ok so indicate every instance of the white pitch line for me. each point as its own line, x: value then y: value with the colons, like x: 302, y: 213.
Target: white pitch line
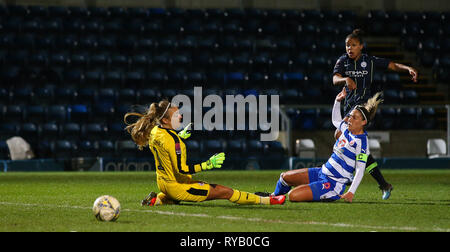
x: 237, y: 218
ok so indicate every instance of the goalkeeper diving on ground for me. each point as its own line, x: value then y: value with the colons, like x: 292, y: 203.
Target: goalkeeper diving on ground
x: 155, y: 129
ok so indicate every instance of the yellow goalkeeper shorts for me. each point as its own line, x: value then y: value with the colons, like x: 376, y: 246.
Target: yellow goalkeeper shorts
x: 192, y: 191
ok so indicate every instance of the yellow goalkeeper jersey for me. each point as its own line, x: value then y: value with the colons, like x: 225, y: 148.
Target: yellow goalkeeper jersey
x: 170, y: 156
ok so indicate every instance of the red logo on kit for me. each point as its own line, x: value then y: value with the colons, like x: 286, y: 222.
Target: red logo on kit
x: 326, y: 186
x: 342, y: 143
x: 178, y: 149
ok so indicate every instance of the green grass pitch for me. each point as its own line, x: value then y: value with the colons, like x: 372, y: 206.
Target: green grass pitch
x: 62, y: 202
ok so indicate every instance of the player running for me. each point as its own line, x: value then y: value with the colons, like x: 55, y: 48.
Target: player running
x: 155, y: 129
x: 355, y: 70
x: 350, y: 154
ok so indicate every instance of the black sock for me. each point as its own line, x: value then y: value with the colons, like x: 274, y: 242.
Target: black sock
x: 373, y: 169
x: 376, y: 174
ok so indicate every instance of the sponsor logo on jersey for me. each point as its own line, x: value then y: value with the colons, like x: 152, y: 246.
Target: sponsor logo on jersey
x: 356, y: 73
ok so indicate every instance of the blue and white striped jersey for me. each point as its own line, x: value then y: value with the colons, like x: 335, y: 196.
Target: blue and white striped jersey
x: 342, y: 163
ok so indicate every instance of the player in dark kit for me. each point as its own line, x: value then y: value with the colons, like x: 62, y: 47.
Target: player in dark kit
x: 355, y: 70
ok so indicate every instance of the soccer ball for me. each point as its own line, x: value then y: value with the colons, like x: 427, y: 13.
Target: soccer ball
x: 106, y: 208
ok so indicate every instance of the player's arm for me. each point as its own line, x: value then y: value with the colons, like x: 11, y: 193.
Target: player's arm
x: 336, y: 116
x: 397, y: 67
x: 361, y: 160
x: 178, y: 159
x: 347, y: 81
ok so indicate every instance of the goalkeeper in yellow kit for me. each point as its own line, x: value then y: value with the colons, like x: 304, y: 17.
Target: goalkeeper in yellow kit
x: 155, y: 129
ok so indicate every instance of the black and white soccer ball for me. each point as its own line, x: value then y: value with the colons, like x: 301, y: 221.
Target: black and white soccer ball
x: 106, y: 208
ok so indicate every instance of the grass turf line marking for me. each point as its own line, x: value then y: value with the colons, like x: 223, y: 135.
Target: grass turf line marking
x: 236, y: 218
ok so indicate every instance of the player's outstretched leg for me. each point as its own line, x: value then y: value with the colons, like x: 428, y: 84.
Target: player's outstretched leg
x: 243, y: 198
x: 374, y: 170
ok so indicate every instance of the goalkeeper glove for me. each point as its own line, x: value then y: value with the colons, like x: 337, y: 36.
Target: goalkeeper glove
x: 215, y: 161
x: 186, y: 132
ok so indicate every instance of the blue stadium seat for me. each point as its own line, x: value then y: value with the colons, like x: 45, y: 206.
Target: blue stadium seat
x: 102, y: 112
x: 79, y: 113
x: 157, y: 78
x: 30, y: 132
x: 410, y: 97
x: 235, y: 79
x: 94, y: 131
x: 49, y: 131
x: 210, y: 147
x: 19, y: 57
x: 290, y: 96
x: 116, y: 130
x: 43, y: 96
x: 216, y: 78
x: 22, y: 95
x: 427, y: 119
x: 37, y: 11
x: 86, y: 96
x: 59, y: 11
x: 39, y: 58
x: 87, y: 148
x: 274, y: 149
x: 153, y: 26
x: 176, y: 78
x: 138, y: 12
x: 14, y: 113
x: 308, y: 119
x: 126, y: 96
x: 106, y: 148
x: 8, y: 130
x: 78, y: 11
x: 117, y: 12
x: 60, y: 58
x: 99, y: 59
x: 10, y: 75
x: 112, y: 78
x: 293, y: 79
x: 254, y: 148
x: 62, y: 149
x: 193, y: 149
x: 324, y: 119
x: 35, y: 114
x: 388, y: 119
x: 119, y: 60
x: 64, y: 96
x: 392, y: 96
x: 140, y: 60
x: 106, y: 96
x: 57, y: 113
x: 126, y: 149
x: 407, y: 118
x: 68, y: 42
x: 147, y: 96
x: 5, y: 95
x: 146, y: 44
x: 71, y: 131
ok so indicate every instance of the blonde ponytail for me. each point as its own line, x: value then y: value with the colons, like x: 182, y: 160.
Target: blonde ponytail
x: 372, y: 105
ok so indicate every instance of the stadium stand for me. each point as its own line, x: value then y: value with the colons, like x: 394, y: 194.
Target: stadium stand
x: 68, y: 74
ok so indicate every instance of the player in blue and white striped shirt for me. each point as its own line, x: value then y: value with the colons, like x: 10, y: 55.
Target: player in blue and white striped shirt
x: 350, y: 152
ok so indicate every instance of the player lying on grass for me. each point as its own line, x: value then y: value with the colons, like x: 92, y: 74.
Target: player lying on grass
x: 155, y: 129
x: 355, y: 70
x: 350, y: 152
